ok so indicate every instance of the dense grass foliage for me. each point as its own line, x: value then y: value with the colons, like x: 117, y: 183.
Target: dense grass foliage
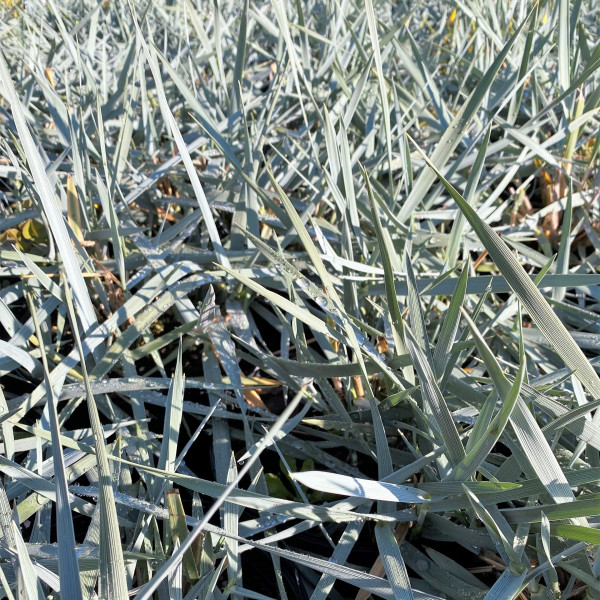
x: 299, y: 299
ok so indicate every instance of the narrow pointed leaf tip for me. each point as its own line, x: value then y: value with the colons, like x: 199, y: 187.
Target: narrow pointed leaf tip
x: 344, y: 485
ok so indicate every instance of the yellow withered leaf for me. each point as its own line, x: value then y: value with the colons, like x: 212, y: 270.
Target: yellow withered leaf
x: 34, y: 231
x: 49, y: 76
x: 73, y: 208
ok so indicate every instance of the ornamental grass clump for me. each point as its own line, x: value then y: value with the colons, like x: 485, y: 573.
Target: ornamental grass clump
x: 299, y: 300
